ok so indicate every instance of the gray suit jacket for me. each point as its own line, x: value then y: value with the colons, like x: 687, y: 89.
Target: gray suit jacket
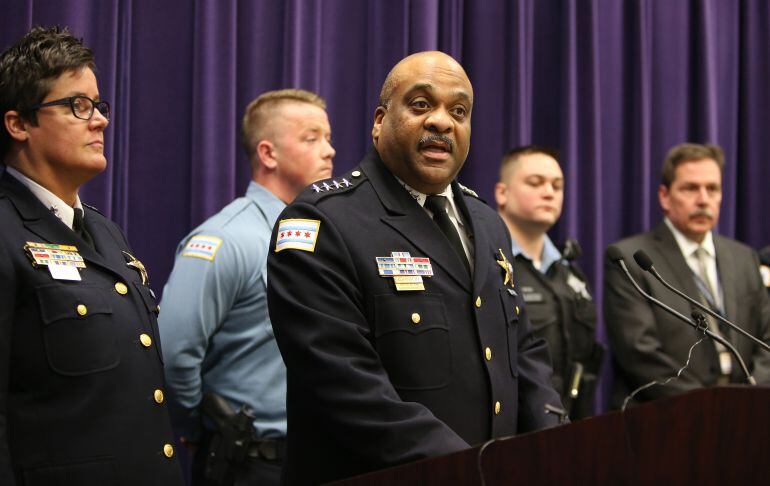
x: 647, y: 343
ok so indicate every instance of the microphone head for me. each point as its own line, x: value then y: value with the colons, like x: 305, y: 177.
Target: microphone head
x: 571, y: 250
x: 614, y: 254
x: 643, y: 260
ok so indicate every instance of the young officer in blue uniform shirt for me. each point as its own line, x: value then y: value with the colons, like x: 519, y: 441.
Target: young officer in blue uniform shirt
x: 393, y: 300
x: 215, y: 318
x: 81, y: 377
x: 529, y: 198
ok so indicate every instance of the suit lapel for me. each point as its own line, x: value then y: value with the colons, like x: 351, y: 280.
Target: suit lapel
x: 726, y: 274
x: 411, y: 221
x: 675, y: 268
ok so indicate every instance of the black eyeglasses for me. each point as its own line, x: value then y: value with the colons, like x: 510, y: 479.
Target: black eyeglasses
x: 82, y: 106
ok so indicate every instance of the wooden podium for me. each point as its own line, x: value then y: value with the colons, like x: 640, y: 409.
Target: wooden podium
x: 718, y: 436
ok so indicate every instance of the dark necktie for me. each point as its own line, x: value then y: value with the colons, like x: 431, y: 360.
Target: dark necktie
x: 437, y: 206
x: 79, y: 227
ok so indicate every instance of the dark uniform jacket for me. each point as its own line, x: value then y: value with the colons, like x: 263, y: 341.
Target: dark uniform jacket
x: 79, y: 390
x: 376, y: 376
x: 566, y: 319
x: 649, y: 344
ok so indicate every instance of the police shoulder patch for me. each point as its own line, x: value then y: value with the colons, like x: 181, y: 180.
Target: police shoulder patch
x: 297, y: 234
x: 202, y: 246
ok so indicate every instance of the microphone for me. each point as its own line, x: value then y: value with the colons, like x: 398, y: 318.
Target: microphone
x: 616, y: 256
x: 571, y: 250
x: 645, y: 262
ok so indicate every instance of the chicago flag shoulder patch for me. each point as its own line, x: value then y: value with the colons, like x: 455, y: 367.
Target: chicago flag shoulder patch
x: 297, y: 234
x: 202, y: 246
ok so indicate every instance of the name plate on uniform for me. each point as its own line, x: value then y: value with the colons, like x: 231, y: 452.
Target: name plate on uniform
x: 408, y: 283
x: 530, y: 296
x: 407, y: 271
x: 62, y: 261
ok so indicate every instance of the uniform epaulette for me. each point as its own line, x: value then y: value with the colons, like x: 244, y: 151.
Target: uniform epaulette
x: 468, y: 191
x: 91, y: 207
x: 334, y: 185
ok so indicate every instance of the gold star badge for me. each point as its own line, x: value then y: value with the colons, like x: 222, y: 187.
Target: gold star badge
x: 132, y: 262
x: 506, y: 266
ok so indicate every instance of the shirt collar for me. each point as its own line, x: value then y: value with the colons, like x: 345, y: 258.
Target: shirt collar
x: 416, y: 195
x: 447, y: 193
x: 688, y: 246
x: 59, y: 208
x: 420, y: 197
x: 268, y: 202
x: 550, y: 254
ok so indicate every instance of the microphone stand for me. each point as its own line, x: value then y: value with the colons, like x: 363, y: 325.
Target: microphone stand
x: 703, y: 324
x: 700, y: 326
x: 646, y: 264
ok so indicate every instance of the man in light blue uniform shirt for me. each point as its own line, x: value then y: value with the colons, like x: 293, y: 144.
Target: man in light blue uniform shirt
x: 214, y: 315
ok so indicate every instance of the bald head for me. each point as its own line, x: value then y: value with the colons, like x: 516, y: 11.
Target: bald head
x: 409, y: 63
x: 422, y: 125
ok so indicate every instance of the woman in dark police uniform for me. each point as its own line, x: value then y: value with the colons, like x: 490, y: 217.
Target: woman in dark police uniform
x: 81, y: 376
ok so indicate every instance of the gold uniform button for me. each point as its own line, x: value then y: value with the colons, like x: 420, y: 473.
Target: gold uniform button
x: 158, y: 396
x: 488, y: 354
x: 416, y: 318
x: 121, y: 288
x: 498, y: 407
x: 146, y: 340
x: 82, y: 310
x: 168, y: 450
x: 478, y: 301
x: 157, y: 308
x: 517, y: 310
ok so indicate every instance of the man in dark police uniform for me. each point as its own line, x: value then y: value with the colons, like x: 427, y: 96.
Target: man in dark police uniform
x: 393, y: 299
x: 530, y: 196
x: 81, y: 376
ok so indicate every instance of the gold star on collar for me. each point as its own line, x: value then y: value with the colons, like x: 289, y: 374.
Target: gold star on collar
x: 132, y: 262
x: 506, y: 266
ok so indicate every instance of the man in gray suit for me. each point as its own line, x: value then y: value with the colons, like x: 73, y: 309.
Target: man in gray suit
x: 648, y: 344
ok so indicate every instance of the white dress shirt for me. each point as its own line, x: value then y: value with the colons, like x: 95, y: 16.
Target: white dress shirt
x: 688, y: 248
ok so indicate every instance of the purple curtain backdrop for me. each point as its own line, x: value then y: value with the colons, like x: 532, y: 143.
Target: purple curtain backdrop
x: 612, y: 83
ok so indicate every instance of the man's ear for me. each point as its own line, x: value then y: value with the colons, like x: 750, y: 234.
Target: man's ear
x: 16, y: 126
x: 266, y: 155
x: 663, y: 193
x: 501, y: 194
x: 379, y: 113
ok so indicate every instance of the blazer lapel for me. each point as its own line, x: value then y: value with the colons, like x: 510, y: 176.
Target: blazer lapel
x: 675, y: 268
x: 726, y: 273
x: 411, y: 221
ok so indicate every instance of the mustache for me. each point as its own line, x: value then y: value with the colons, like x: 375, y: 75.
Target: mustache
x: 435, y: 138
x: 702, y: 212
